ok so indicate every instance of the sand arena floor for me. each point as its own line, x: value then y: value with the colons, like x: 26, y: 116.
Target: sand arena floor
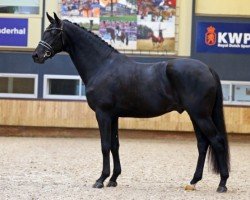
x: 155, y: 167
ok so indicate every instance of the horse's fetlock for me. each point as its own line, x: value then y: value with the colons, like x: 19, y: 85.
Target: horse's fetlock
x: 117, y: 171
x: 105, y: 174
x: 196, y: 179
x: 225, y: 175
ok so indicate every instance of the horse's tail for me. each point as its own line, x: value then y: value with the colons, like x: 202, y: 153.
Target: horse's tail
x: 218, y: 119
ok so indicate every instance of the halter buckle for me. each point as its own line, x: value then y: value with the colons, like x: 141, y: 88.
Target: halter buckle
x: 47, y: 54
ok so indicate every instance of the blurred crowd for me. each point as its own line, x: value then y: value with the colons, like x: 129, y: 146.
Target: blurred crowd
x: 121, y: 25
x: 85, y: 8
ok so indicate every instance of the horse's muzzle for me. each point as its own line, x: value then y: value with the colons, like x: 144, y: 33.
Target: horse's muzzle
x: 37, y: 59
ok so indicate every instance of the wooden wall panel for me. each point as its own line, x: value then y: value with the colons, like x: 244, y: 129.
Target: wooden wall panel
x: 77, y: 114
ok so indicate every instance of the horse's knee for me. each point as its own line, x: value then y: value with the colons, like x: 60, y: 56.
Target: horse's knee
x: 105, y: 149
x: 115, y: 147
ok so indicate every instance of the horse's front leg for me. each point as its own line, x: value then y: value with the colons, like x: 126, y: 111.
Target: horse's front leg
x: 115, y: 153
x: 104, y: 122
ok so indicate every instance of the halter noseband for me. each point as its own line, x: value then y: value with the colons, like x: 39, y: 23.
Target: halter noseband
x: 50, y: 51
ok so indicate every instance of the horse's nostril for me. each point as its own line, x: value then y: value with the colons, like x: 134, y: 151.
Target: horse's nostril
x: 35, y: 55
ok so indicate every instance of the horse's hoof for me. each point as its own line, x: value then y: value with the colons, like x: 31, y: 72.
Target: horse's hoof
x: 98, y: 185
x: 222, y: 189
x: 112, y: 184
x: 190, y: 187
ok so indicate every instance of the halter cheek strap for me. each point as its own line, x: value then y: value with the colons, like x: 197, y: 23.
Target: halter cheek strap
x: 47, y: 45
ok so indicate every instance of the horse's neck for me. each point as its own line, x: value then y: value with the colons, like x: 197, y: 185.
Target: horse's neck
x: 87, y: 53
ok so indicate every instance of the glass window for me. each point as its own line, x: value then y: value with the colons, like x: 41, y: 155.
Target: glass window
x: 236, y: 92
x: 83, y: 90
x: 18, y: 85
x: 226, y: 88
x: 63, y: 87
x: 241, y: 93
x: 3, y: 85
x: 19, y: 7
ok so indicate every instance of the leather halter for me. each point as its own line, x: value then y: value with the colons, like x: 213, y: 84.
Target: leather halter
x: 50, y: 51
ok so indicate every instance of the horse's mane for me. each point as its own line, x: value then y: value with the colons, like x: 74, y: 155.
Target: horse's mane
x: 94, y: 36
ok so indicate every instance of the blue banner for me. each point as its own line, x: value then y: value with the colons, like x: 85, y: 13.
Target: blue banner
x: 216, y: 37
x: 13, y: 32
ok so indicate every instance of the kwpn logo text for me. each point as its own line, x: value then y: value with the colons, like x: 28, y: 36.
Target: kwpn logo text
x: 223, y: 37
x: 236, y: 40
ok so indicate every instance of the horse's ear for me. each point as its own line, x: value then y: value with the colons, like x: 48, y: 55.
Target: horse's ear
x: 58, y: 21
x: 51, y: 20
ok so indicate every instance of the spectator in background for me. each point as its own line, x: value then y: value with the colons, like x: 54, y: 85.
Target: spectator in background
x: 85, y: 9
x: 95, y: 7
x: 64, y: 7
x: 171, y: 3
x: 75, y: 5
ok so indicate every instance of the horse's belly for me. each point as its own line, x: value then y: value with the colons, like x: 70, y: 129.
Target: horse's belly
x: 141, y: 114
x: 146, y: 109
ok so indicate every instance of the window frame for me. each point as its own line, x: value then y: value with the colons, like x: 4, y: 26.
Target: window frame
x: 232, y: 101
x: 13, y: 15
x: 21, y: 95
x: 230, y: 92
x: 46, y: 78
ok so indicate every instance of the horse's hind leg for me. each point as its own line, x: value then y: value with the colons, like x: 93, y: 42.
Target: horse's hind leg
x: 209, y: 129
x: 202, y: 144
x: 115, y: 153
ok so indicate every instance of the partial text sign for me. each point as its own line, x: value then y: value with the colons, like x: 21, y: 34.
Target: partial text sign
x: 13, y: 32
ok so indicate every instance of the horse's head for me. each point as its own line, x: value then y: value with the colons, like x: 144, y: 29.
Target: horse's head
x: 52, y: 41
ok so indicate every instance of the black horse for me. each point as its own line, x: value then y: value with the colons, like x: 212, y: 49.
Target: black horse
x: 116, y: 86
